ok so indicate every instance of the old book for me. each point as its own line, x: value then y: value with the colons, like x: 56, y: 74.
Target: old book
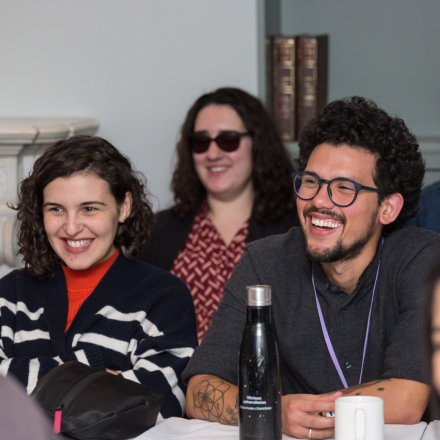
x: 281, y: 95
x: 312, y: 77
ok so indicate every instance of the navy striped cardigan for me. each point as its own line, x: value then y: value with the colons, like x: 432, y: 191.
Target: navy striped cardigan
x: 139, y: 321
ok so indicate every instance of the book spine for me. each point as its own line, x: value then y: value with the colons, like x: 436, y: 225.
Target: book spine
x: 311, y: 78
x: 283, y: 85
x: 269, y: 74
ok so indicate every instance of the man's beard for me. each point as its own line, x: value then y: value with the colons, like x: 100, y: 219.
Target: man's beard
x: 339, y: 252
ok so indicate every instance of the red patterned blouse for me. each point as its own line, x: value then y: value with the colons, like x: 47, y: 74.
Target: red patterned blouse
x: 206, y: 263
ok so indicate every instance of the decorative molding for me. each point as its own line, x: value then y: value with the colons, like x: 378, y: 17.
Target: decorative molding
x: 44, y: 130
x: 8, y: 242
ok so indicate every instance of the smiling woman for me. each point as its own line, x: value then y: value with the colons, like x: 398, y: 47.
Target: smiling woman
x: 81, y: 228
x: 82, y: 210
x: 231, y: 186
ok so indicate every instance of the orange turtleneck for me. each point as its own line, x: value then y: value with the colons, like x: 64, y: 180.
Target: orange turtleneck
x: 81, y: 283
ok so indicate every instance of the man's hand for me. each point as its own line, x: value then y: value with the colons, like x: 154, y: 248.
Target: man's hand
x: 299, y: 414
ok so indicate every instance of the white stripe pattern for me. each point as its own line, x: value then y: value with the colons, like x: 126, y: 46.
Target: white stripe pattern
x: 7, y: 332
x: 4, y: 367
x: 81, y: 357
x: 149, y: 328
x: 111, y: 313
x: 33, y: 316
x: 129, y: 374
x: 11, y: 306
x: 169, y: 375
x: 21, y: 307
x: 179, y: 352
x: 76, y: 339
x: 132, y: 346
x: 32, y: 335
x: 113, y: 337
x: 34, y: 367
x: 105, y: 341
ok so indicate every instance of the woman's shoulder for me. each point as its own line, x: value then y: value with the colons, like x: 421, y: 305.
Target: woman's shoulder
x: 21, y: 284
x: 169, y: 218
x: 140, y: 273
x: 167, y: 238
x: 18, y: 276
x: 259, y: 230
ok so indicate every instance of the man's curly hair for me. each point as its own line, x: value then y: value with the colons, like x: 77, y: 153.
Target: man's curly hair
x: 271, y: 165
x: 360, y: 123
x: 87, y: 155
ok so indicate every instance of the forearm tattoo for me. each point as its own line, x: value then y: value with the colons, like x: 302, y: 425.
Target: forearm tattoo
x: 365, y: 385
x: 209, y: 402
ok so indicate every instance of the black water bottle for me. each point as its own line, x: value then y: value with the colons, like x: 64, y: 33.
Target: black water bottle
x: 259, y: 384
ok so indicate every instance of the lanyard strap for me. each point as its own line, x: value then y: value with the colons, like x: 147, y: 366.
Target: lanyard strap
x: 327, y: 337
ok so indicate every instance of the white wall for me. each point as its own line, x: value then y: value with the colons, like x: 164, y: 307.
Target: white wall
x: 135, y: 65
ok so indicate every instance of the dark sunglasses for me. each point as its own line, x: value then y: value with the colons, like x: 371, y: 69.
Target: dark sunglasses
x: 228, y: 141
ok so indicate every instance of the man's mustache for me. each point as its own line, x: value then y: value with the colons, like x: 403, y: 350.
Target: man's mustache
x: 326, y: 212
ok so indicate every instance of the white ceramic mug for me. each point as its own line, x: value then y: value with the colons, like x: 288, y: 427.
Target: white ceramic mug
x: 359, y: 418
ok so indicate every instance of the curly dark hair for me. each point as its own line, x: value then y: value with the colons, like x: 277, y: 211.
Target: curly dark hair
x: 360, y: 123
x: 272, y: 167
x: 80, y: 154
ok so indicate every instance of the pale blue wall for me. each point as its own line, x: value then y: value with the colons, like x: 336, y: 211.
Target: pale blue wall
x: 386, y: 50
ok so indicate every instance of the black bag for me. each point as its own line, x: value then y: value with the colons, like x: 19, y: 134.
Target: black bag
x: 95, y: 404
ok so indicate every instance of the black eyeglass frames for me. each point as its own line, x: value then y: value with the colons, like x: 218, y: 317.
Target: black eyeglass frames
x: 228, y: 141
x: 342, y: 191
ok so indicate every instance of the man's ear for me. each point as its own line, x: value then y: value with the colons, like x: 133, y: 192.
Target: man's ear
x: 390, y: 208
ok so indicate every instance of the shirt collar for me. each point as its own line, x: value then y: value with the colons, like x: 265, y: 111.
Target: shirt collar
x: 367, y: 278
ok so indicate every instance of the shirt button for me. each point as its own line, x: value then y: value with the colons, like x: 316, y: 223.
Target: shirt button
x: 347, y: 365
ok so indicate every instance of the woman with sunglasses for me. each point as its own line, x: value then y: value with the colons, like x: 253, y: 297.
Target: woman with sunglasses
x: 79, y: 297
x: 231, y: 186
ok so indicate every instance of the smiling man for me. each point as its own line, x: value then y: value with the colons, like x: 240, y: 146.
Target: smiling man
x: 354, y: 262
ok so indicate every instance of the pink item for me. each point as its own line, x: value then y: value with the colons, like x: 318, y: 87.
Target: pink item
x: 57, y: 422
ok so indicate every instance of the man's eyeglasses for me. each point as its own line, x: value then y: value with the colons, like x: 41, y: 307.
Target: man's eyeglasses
x: 228, y: 141
x: 342, y: 191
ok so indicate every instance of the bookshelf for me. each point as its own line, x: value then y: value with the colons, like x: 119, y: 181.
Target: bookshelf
x: 385, y: 51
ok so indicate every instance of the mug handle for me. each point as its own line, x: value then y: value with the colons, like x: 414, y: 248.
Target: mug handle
x: 360, y: 424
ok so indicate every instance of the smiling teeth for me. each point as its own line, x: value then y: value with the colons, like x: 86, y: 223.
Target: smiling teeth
x: 217, y: 169
x: 325, y: 223
x: 78, y: 243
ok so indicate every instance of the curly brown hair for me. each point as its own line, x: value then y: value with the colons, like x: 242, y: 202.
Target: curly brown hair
x: 272, y: 167
x: 80, y: 154
x: 360, y: 123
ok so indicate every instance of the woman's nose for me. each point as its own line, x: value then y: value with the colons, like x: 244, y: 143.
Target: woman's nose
x: 214, y: 150
x: 73, y: 225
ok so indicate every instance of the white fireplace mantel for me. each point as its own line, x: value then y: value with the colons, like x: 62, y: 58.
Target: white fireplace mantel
x: 22, y: 141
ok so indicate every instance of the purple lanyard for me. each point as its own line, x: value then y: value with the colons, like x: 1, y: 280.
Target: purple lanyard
x: 327, y: 337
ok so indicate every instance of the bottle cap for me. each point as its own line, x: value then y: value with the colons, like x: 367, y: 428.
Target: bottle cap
x: 258, y: 296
